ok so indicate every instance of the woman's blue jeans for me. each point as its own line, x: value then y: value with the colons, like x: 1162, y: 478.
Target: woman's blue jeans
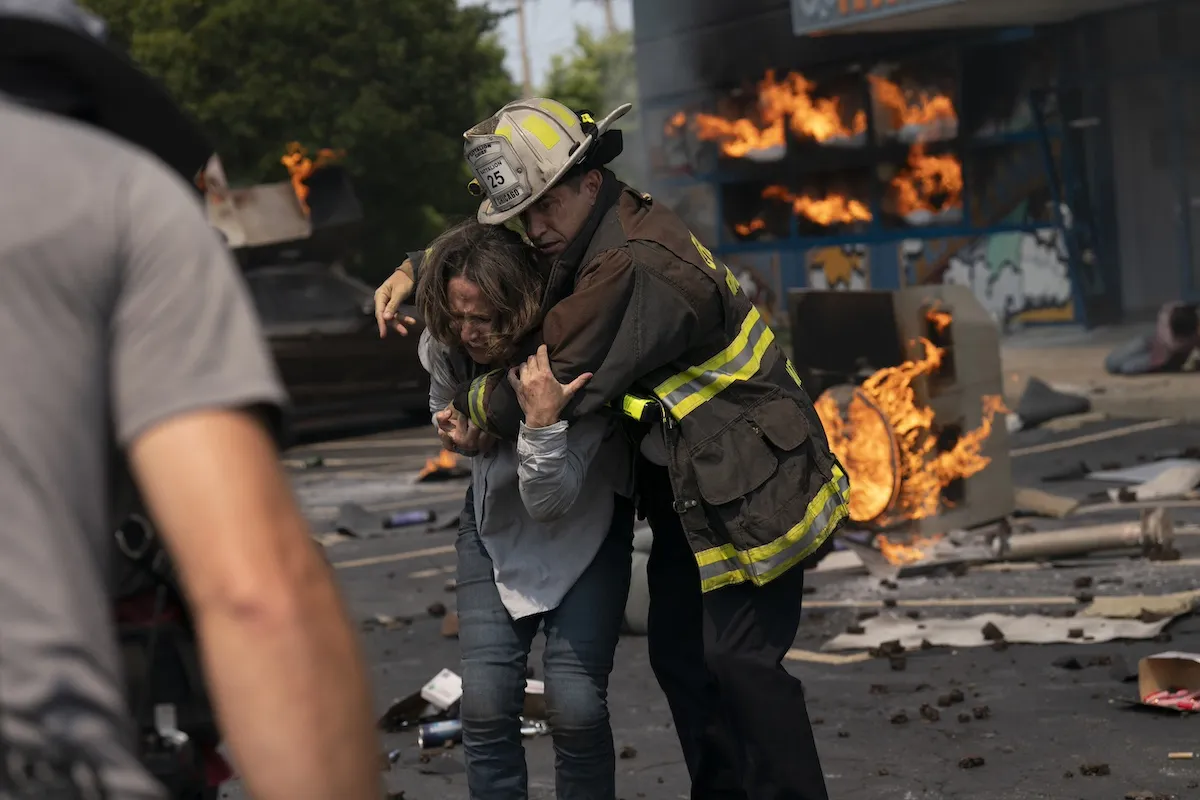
x: 581, y: 637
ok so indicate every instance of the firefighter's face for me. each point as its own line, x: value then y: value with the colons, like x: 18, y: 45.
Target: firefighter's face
x: 473, y: 316
x: 558, y: 216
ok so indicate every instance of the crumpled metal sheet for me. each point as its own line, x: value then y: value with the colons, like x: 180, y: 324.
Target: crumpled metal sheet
x: 1025, y: 629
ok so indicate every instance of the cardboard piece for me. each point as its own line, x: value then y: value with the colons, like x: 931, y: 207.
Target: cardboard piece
x: 443, y: 690
x: 1027, y: 629
x: 835, y: 659
x: 1141, y: 606
x: 1172, y: 671
x: 1035, y: 501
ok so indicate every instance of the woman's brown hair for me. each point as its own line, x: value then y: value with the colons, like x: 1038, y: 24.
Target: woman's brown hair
x: 498, y: 262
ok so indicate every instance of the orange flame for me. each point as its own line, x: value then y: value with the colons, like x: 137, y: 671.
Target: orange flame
x: 887, y: 445
x: 782, y: 104
x: 444, y: 460
x: 939, y: 319
x: 928, y: 183
x: 300, y: 166
x: 747, y: 228
x: 829, y: 210
x: 916, y: 550
x: 675, y: 124
x: 902, y: 110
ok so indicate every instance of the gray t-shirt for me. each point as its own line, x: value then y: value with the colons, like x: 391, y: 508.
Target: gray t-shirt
x: 119, y: 308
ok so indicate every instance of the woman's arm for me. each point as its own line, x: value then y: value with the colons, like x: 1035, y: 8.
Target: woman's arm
x: 553, y: 463
x: 436, y: 361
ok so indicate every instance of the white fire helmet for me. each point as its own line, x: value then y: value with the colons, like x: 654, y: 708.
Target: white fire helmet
x: 524, y: 149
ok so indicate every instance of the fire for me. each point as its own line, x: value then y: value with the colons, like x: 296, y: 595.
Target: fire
x: 939, y: 319
x: 747, y: 228
x: 923, y: 111
x: 828, y: 210
x: 886, y: 443
x: 675, y: 124
x: 300, y: 166
x: 444, y: 461
x: 929, y: 183
x: 783, y: 104
x: 916, y: 550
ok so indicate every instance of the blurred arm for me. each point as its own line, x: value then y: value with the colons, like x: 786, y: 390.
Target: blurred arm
x: 187, y: 357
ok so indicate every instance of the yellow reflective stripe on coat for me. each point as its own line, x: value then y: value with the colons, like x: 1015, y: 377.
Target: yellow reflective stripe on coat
x: 791, y: 368
x: 687, y: 391
x: 477, y: 400
x: 725, y: 565
x: 634, y: 407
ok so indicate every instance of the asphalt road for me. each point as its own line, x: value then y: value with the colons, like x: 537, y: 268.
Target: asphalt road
x: 1044, y: 723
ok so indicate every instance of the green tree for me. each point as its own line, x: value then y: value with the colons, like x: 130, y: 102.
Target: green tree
x: 598, y: 73
x: 392, y: 83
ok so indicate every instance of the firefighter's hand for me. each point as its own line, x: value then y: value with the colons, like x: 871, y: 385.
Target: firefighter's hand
x: 388, y: 297
x: 541, y: 396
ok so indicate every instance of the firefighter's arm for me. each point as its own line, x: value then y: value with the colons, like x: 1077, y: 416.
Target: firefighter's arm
x: 621, y: 323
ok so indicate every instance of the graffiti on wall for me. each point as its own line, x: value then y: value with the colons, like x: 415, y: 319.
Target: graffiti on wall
x: 844, y: 267
x: 1019, y: 277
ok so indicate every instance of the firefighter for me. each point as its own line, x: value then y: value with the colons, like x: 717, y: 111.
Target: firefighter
x: 735, y: 475
x: 129, y: 341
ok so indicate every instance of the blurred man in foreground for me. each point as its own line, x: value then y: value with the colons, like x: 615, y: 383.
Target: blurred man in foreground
x: 127, y: 337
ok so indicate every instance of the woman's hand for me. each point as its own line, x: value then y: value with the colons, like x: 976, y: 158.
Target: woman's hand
x: 541, y: 396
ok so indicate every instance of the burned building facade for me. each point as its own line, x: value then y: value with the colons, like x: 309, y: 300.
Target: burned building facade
x: 1044, y: 154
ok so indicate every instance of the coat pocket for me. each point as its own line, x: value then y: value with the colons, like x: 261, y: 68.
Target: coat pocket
x: 745, y: 454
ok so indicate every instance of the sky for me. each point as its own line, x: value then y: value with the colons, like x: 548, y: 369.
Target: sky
x: 551, y: 28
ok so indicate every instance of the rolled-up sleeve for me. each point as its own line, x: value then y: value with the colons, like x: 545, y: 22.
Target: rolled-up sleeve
x: 553, y: 463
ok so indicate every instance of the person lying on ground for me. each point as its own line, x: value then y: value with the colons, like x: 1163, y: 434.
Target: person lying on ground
x: 1168, y: 349
x: 546, y: 535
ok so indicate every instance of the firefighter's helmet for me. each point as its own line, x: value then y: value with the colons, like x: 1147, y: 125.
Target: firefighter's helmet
x: 525, y: 148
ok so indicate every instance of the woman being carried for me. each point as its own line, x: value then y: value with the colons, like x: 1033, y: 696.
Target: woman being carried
x: 548, y: 543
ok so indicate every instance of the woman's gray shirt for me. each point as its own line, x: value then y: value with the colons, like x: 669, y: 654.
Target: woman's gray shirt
x: 544, y: 504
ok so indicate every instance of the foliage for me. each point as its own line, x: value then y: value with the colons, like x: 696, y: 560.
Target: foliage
x: 599, y: 74
x: 391, y: 83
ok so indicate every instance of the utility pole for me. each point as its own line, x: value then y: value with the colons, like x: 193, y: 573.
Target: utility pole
x: 610, y: 18
x: 523, y: 43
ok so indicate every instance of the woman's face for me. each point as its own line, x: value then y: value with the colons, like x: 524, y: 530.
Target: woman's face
x: 474, y: 318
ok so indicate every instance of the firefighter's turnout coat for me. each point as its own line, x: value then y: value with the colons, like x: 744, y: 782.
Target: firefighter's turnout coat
x: 666, y: 330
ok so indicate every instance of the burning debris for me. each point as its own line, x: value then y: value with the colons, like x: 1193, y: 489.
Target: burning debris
x: 887, y: 443
x: 783, y: 105
x: 914, y: 115
x: 791, y: 104
x: 929, y: 188
x: 833, y: 209
x: 300, y: 166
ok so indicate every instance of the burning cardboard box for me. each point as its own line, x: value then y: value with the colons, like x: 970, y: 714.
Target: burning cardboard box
x: 908, y: 387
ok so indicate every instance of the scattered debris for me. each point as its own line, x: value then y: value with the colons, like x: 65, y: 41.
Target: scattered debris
x: 1076, y: 472
x: 1170, y: 681
x: 1044, y: 504
x: 953, y: 697
x: 971, y: 762
x: 438, y: 734
x: 999, y: 630
x: 1181, y: 756
x: 963, y: 716
x: 878, y: 688
x: 1148, y: 796
x: 403, y: 519
x: 1083, y: 582
x: 385, y: 622
x: 899, y: 718
x: 930, y: 713
x: 899, y: 663
x: 1040, y: 403
x: 1154, y: 532
x: 450, y: 625
x: 450, y: 585
x: 843, y: 734
x: 628, y: 752
x: 981, y: 712
x: 835, y: 659
x: 436, y: 610
x: 1094, y: 770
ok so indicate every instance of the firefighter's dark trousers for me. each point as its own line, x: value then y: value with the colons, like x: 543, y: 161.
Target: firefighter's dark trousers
x: 741, y: 718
